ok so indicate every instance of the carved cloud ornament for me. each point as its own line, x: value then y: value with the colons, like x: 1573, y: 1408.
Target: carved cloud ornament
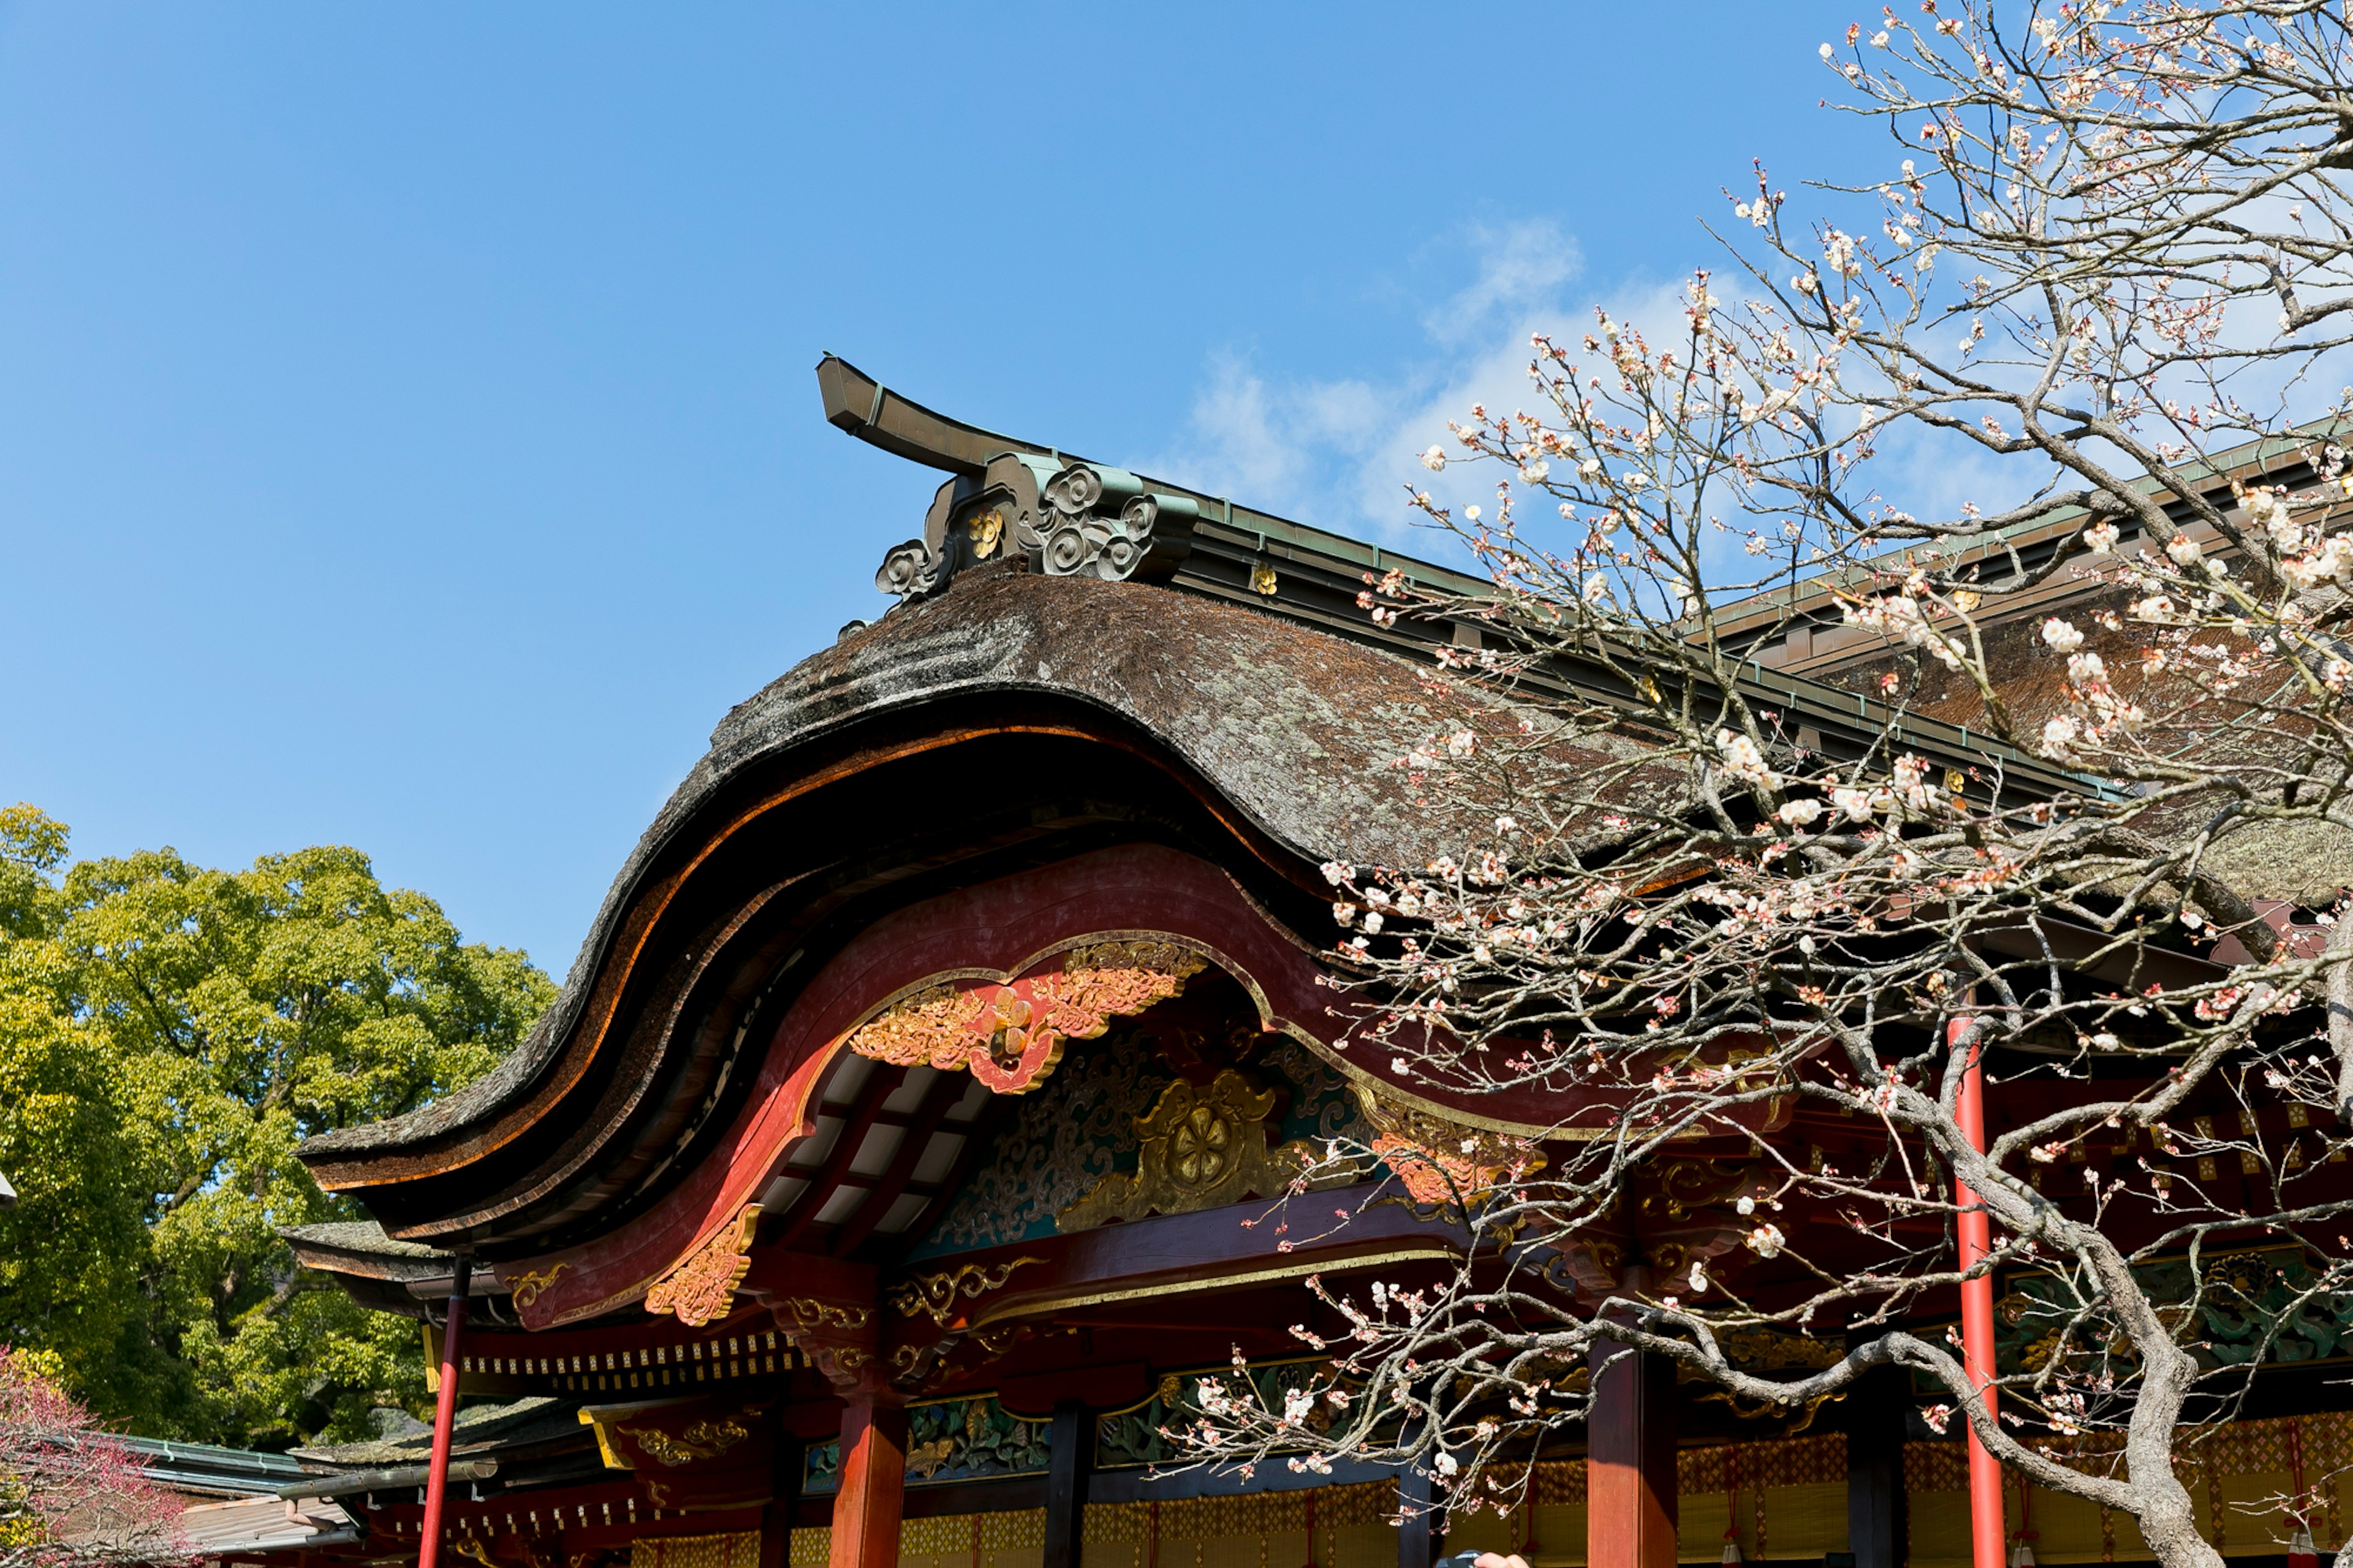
x: 1082, y: 519
x: 1010, y: 1037
x: 700, y: 1288
x: 1201, y: 1148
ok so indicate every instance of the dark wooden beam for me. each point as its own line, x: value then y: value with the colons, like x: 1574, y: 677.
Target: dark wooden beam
x: 1418, y: 1531
x: 1875, y: 1468
x: 1072, y: 1450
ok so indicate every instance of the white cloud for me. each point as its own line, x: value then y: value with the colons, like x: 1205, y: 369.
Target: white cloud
x: 1343, y: 454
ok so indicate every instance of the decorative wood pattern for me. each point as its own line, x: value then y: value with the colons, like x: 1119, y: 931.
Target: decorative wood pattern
x: 1010, y: 1037
x: 701, y: 1288
x: 1442, y: 1164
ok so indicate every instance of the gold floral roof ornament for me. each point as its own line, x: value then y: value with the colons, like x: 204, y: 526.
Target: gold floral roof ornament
x: 1442, y: 1164
x: 1202, y: 1148
x: 1010, y: 1036
x: 700, y: 1288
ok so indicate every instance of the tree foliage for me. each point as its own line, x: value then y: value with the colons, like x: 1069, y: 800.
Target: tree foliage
x: 169, y: 1033
x: 2103, y: 272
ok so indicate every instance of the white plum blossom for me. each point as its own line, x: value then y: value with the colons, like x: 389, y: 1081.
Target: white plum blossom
x: 1536, y: 472
x: 1434, y: 459
x: 2059, y: 735
x: 2061, y: 636
x: 1799, y: 812
x: 1743, y: 761
x: 1767, y: 1240
x: 1856, y: 803
x: 2184, y: 550
x: 2101, y: 538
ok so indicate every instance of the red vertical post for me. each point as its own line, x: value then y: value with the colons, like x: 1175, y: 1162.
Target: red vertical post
x: 1975, y: 1231
x: 874, y: 1484
x: 445, y: 1413
x: 1629, y: 1437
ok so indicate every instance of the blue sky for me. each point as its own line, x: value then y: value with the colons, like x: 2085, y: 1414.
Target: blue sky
x: 407, y: 436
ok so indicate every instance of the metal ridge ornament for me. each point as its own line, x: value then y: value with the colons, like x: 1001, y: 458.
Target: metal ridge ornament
x: 1082, y: 519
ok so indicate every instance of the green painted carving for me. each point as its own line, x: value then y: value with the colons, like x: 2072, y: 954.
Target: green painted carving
x: 1055, y: 1143
x: 949, y: 1440
x: 962, y: 1439
x: 2261, y: 1306
x: 1322, y: 1104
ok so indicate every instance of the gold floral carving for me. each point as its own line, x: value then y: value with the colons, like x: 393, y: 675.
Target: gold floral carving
x: 1440, y: 1161
x: 701, y: 1288
x: 937, y: 1294
x: 1202, y: 1148
x: 1010, y: 1037
x: 699, y: 1440
x: 529, y: 1288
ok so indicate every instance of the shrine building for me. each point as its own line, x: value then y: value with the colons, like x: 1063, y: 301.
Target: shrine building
x: 902, y: 1145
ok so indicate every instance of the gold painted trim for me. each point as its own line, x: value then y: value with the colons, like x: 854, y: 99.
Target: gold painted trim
x: 1008, y: 1313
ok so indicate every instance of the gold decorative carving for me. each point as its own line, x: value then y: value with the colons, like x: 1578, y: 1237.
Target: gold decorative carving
x: 1441, y: 1162
x: 1201, y: 1149
x: 528, y: 1289
x: 983, y: 529
x: 700, y: 1440
x: 700, y: 1288
x: 1010, y: 1037
x: 937, y: 1294
x: 811, y: 1314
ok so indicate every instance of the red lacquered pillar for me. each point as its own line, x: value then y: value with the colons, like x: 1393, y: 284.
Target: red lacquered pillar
x: 445, y: 1413
x: 1987, y: 1528
x: 1630, y: 1437
x: 866, y: 1506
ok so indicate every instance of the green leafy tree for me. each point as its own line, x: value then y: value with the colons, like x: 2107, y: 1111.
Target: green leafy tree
x: 168, y: 1035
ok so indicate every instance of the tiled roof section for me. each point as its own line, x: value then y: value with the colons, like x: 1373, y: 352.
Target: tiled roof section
x: 2303, y: 862
x: 1295, y: 728
x: 537, y: 1419
x: 340, y: 1244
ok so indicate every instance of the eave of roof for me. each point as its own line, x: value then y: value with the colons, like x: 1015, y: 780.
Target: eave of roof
x: 1294, y: 729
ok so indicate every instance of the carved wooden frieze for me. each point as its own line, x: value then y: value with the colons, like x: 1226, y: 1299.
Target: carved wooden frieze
x: 1441, y: 1162
x: 1010, y: 1036
x: 700, y: 1288
x: 1201, y: 1148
